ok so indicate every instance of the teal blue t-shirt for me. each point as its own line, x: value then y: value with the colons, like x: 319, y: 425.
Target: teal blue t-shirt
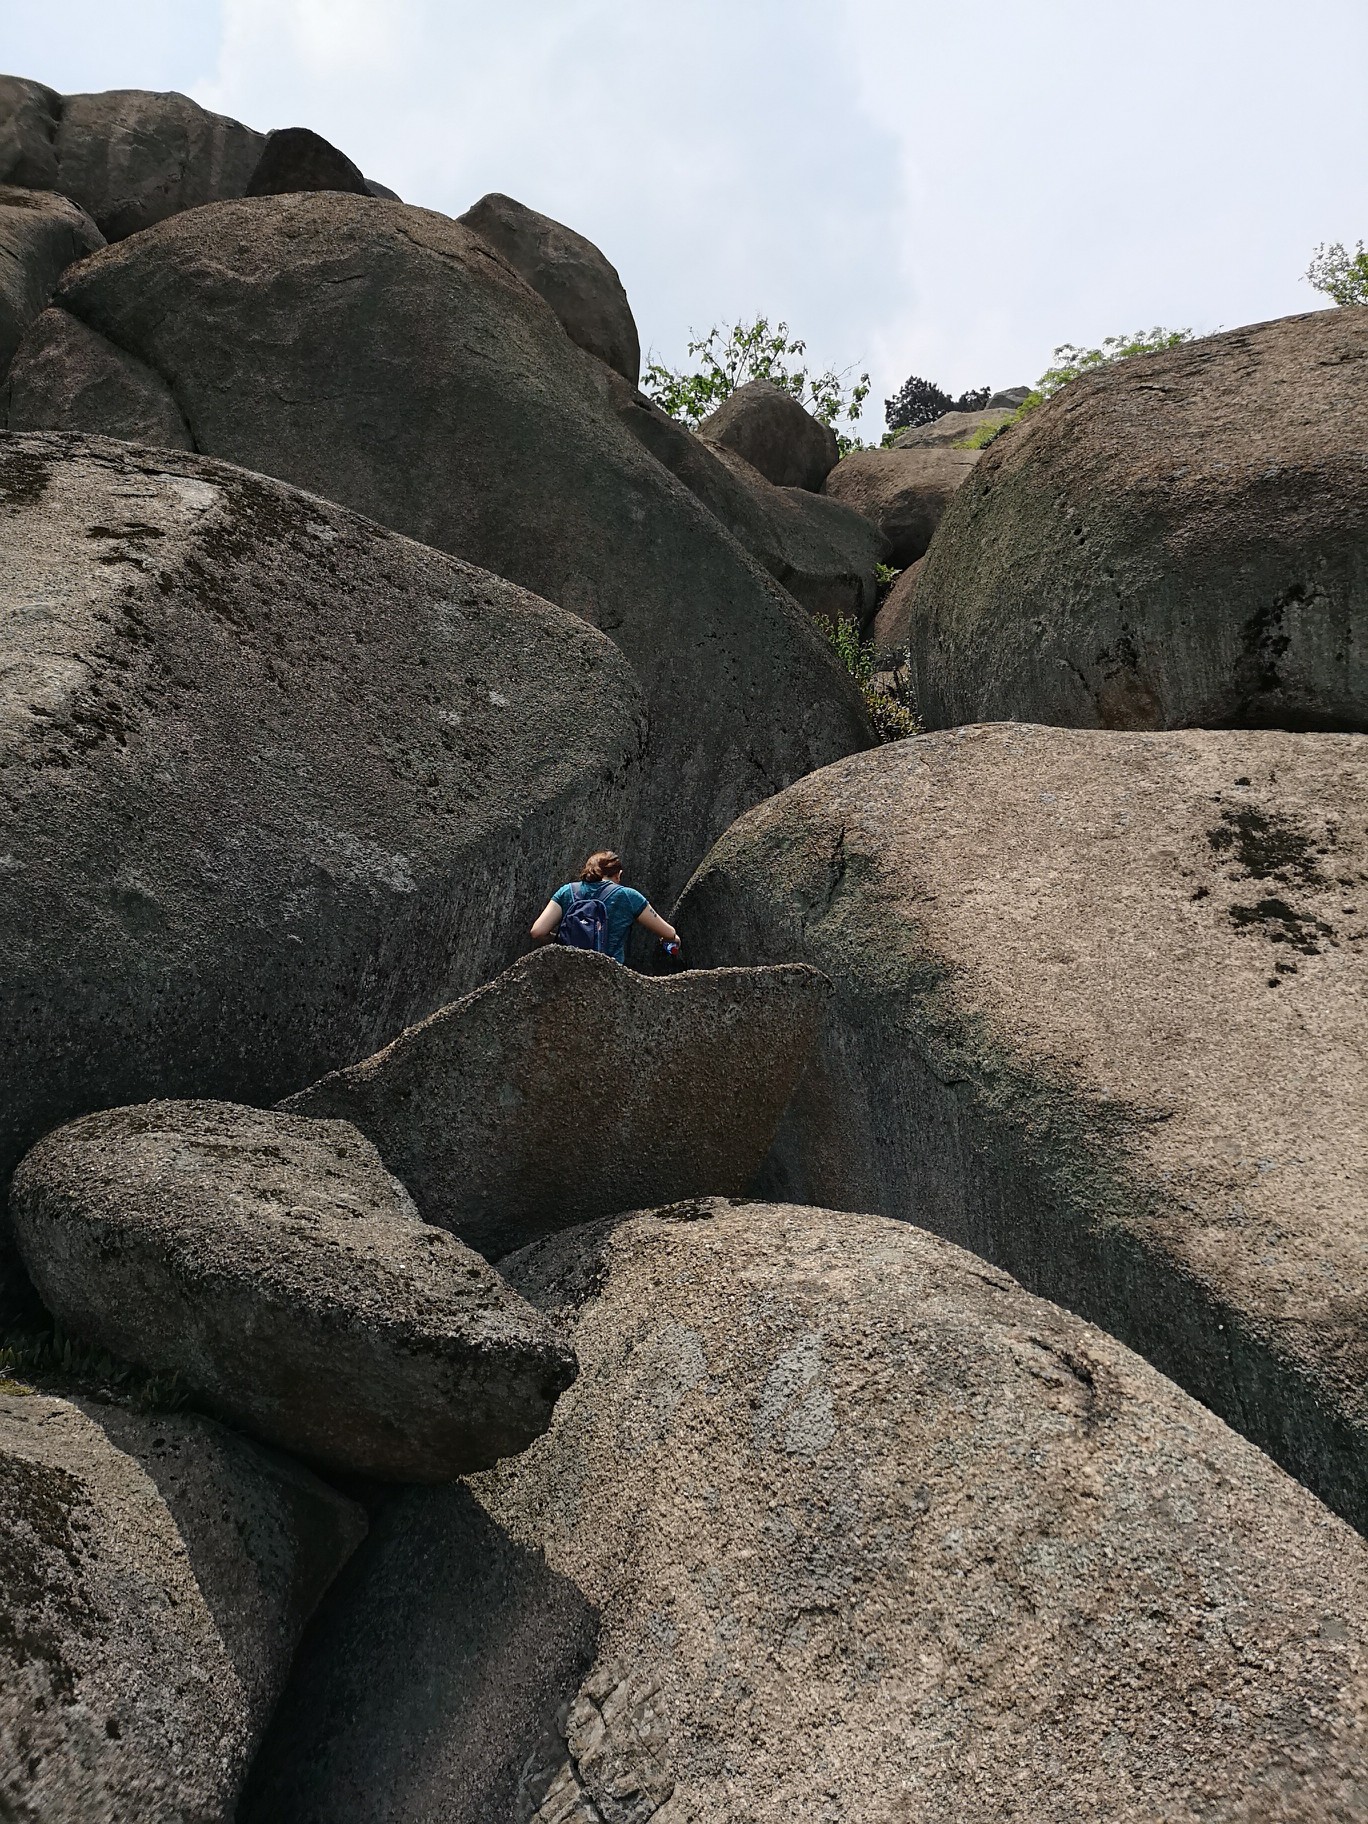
x: 621, y: 903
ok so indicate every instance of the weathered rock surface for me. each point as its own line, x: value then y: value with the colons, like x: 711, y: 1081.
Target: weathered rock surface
x: 571, y: 1086
x: 906, y: 489
x: 1175, y: 540
x: 73, y: 374
x: 568, y: 271
x: 469, y: 420
x: 952, y: 429
x: 837, y: 1522
x: 1101, y: 1015
x: 28, y: 133
x: 40, y: 235
x: 892, y: 630
x: 296, y: 158
x: 276, y: 1267
x: 1008, y: 399
x: 276, y: 782
x: 130, y: 157
x: 156, y: 1573
x: 824, y: 554
x: 767, y: 428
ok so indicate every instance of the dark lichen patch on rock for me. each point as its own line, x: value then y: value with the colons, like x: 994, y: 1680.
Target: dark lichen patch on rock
x: 1282, y: 924
x: 23, y: 476
x: 1267, y: 846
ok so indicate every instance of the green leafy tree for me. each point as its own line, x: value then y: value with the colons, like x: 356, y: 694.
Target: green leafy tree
x: 919, y: 401
x: 1340, y: 275
x: 733, y: 354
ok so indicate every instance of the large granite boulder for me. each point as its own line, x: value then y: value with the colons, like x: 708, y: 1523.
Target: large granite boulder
x: 71, y: 373
x: 155, y: 1574
x: 766, y: 427
x: 296, y: 158
x: 837, y: 1522
x: 277, y: 782
x: 130, y: 157
x: 470, y: 420
x: 571, y: 1086
x: 40, y: 235
x: 906, y: 489
x: 29, y: 113
x: 276, y: 1268
x: 568, y: 271
x: 1101, y: 1015
x: 1171, y: 541
x: 824, y: 554
x: 956, y: 430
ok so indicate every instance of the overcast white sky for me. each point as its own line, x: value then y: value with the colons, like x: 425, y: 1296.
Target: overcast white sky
x: 945, y: 187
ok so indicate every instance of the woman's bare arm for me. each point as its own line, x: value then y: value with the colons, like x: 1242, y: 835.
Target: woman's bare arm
x: 653, y: 922
x: 547, y: 921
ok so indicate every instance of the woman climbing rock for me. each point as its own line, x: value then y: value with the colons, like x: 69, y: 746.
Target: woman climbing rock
x: 597, y: 912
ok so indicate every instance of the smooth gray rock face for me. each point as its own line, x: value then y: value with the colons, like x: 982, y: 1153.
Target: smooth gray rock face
x: 276, y: 1267
x: 568, y: 271
x: 470, y: 421
x: 1009, y: 398
x: 276, y: 781
x: 155, y: 1574
x: 823, y: 553
x: 28, y: 133
x: 1101, y: 1015
x: 40, y: 235
x: 572, y: 1086
x: 837, y: 1522
x: 1172, y: 541
x: 73, y: 374
x: 297, y: 159
x: 768, y: 428
x: 130, y: 157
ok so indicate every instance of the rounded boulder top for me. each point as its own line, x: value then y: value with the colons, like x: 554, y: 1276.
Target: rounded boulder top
x: 767, y: 426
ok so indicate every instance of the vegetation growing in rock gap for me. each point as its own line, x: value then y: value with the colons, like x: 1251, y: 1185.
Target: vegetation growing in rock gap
x: 892, y: 718
x: 733, y: 354
x: 53, y: 1361
x: 1340, y: 275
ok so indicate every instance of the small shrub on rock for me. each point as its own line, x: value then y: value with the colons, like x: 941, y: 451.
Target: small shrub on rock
x: 892, y: 718
x: 732, y: 354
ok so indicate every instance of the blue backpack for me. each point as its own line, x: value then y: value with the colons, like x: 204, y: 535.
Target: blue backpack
x: 585, y: 925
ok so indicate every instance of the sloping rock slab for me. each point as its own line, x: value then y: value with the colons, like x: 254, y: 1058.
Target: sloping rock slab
x: 1176, y: 540
x: 568, y: 271
x: 767, y: 428
x: 469, y: 420
x: 286, y: 1278
x: 276, y: 782
x: 837, y: 1522
x: 40, y: 235
x: 1101, y: 1015
x: 825, y: 554
x: 74, y: 374
x: 131, y: 157
x: 571, y: 1086
x: 155, y: 1574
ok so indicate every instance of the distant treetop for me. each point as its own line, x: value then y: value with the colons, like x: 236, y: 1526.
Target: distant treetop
x: 1340, y: 275
x: 919, y: 401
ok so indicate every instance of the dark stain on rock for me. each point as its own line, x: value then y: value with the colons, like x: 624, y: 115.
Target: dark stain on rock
x: 1265, y: 846
x: 1281, y: 924
x: 23, y: 476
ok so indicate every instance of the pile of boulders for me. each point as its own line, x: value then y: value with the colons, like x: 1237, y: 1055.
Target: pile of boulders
x: 665, y: 1356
